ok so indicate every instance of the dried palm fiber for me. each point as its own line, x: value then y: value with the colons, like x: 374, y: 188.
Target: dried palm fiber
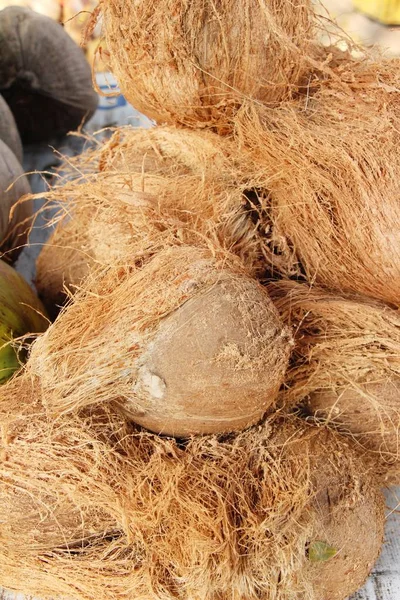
x: 118, y: 201
x: 194, y: 63
x: 331, y: 179
x: 15, y: 211
x: 93, y: 508
x: 8, y: 130
x: 44, y: 76
x: 103, y: 221
x: 189, y: 343
x: 345, y: 365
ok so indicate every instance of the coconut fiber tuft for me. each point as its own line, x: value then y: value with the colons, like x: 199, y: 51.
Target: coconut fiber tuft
x: 332, y: 179
x: 194, y: 63
x: 346, y: 365
x: 144, y: 189
x: 93, y: 508
x: 186, y: 344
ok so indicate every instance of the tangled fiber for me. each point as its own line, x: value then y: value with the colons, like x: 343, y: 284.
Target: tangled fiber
x: 142, y: 190
x: 93, y: 508
x: 331, y: 179
x: 186, y: 344
x: 346, y: 365
x: 194, y: 63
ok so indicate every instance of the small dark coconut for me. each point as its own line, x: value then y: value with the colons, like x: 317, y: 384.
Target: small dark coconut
x: 9, y: 131
x: 15, y: 212
x: 44, y: 75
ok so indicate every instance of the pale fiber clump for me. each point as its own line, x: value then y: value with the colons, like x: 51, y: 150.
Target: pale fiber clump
x: 188, y: 343
x: 331, y: 185
x: 144, y: 189
x: 93, y: 508
x: 194, y: 63
x: 346, y: 365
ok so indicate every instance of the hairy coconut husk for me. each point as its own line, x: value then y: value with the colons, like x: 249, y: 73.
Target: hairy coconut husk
x: 346, y: 365
x: 103, y: 222
x: 93, y: 508
x: 119, y: 202
x: 196, y: 63
x: 187, y: 344
x: 15, y: 213
x: 331, y: 179
x: 9, y: 131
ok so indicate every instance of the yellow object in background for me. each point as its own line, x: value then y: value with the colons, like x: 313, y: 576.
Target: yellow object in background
x: 76, y: 14
x: 385, y: 11
x: 49, y: 8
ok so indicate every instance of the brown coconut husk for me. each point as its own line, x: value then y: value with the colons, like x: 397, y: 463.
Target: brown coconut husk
x: 331, y: 178
x: 102, y: 223
x: 345, y: 365
x: 118, y: 203
x: 189, y: 343
x: 196, y: 63
x: 93, y: 508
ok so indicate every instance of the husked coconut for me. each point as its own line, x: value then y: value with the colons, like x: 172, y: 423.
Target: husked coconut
x: 93, y: 508
x: 199, y: 65
x: 187, y: 344
x: 346, y: 365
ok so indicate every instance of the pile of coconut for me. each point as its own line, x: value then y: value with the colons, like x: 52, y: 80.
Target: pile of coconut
x: 215, y: 408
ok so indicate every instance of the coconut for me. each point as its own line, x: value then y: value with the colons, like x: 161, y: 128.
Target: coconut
x: 196, y: 63
x: 118, y: 203
x: 102, y: 222
x: 331, y: 179
x: 43, y: 72
x: 21, y: 314
x: 15, y: 213
x: 346, y: 365
x: 8, y: 130
x: 189, y: 343
x: 94, y: 508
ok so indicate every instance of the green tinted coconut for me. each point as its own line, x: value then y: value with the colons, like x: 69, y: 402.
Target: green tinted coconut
x: 21, y: 314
